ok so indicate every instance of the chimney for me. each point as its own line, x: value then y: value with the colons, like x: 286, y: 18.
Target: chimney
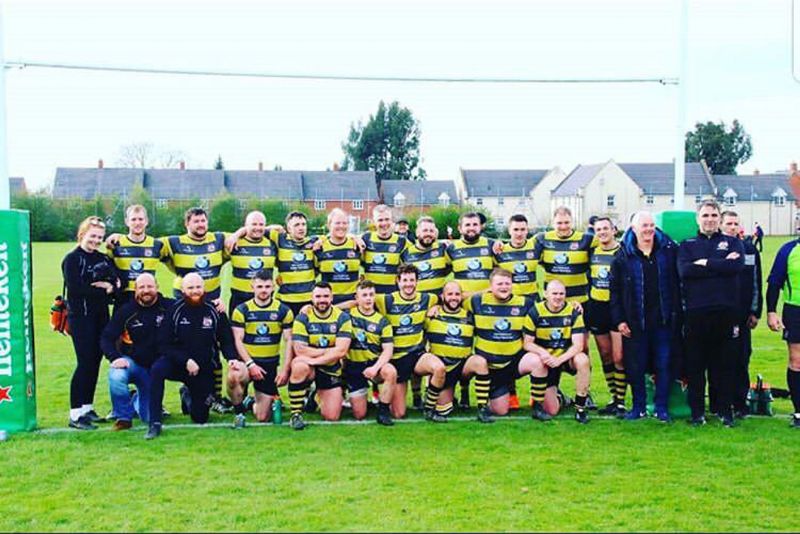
x: 260, y: 166
x: 100, y: 163
x: 335, y: 167
x: 756, y: 172
x: 793, y: 166
x: 183, y: 165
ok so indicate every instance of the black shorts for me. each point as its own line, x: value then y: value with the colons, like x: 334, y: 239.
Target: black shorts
x: 597, y: 315
x: 554, y: 374
x: 325, y: 381
x: 405, y: 365
x: 354, y: 375
x: 455, y: 369
x: 267, y: 384
x: 791, y: 323
x: 501, y: 379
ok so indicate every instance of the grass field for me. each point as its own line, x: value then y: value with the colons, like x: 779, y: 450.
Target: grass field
x: 515, y: 475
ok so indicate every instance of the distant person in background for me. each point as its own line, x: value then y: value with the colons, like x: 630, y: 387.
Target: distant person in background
x: 590, y: 226
x: 401, y: 228
x: 91, y: 281
x: 758, y: 237
x: 751, y: 300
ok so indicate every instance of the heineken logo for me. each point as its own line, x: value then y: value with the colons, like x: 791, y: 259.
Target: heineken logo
x: 5, y: 316
x: 5, y: 396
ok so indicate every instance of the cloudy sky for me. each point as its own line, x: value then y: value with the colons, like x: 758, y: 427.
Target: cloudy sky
x: 740, y: 66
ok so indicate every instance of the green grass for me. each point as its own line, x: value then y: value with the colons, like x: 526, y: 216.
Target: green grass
x: 514, y: 475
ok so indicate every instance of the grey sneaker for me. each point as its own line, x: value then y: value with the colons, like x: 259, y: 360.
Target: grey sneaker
x: 239, y: 421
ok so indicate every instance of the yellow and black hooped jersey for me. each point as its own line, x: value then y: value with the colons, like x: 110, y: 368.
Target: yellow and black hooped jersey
x: 204, y: 257
x: 450, y: 334
x: 472, y: 263
x: 322, y: 333
x: 433, y: 265
x: 381, y: 259
x: 295, y: 263
x: 132, y: 259
x: 370, y: 332
x: 553, y: 330
x: 498, y: 326
x: 339, y: 265
x: 263, y: 327
x: 521, y: 263
x: 407, y: 318
x: 249, y: 258
x: 567, y: 259
x: 600, y: 273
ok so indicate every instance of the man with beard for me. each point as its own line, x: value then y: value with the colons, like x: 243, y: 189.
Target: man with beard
x: 129, y: 343
x: 450, y: 334
x: 135, y: 253
x: 321, y: 338
x: 190, y: 336
x: 259, y: 324
x: 253, y: 252
x: 383, y: 250
x: 296, y: 271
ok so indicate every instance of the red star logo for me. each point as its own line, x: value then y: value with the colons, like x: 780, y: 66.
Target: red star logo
x: 4, y: 396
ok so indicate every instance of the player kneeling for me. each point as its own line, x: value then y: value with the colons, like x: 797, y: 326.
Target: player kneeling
x: 554, y: 338
x: 321, y: 338
x: 370, y: 352
x: 258, y: 325
x: 450, y: 333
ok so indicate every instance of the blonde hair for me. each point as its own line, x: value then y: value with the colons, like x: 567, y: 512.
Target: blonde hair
x: 88, y: 223
x: 562, y: 210
x: 335, y: 212
x: 135, y: 208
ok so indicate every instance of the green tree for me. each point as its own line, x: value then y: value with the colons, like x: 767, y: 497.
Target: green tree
x: 224, y: 214
x: 722, y: 149
x: 387, y: 144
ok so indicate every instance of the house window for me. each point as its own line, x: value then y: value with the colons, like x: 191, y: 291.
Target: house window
x: 498, y: 222
x: 611, y: 201
x: 444, y: 200
x: 501, y: 201
x: 399, y: 200
x: 319, y: 205
x: 479, y: 201
x: 698, y: 199
x: 779, y: 200
x: 650, y: 200
x: 242, y: 205
x: 358, y: 204
x: 730, y: 200
x: 162, y: 203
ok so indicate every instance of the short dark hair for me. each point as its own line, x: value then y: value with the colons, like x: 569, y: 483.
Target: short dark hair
x: 194, y: 212
x: 322, y: 285
x: 265, y: 275
x: 594, y: 218
x: 407, y: 268
x: 599, y: 218
x: 728, y: 213
x: 469, y: 215
x: 295, y: 214
x: 708, y: 203
x: 365, y: 284
x: 518, y: 217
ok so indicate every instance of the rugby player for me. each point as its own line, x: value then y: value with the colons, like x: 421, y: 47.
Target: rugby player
x: 338, y: 259
x: 258, y: 326
x: 296, y: 272
x: 554, y: 334
x: 321, y: 338
x: 251, y: 253
x: 598, y: 315
x: 383, y: 250
x: 450, y: 334
x: 370, y: 352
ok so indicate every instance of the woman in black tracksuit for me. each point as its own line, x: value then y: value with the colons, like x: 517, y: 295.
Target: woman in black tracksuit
x: 91, y: 282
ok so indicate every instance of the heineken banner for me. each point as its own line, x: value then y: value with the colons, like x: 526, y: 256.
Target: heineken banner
x: 17, y: 382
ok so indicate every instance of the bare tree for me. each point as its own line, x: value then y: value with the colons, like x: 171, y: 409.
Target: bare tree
x: 146, y: 155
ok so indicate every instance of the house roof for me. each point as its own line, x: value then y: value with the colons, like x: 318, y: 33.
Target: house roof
x: 89, y: 183
x: 283, y: 185
x: 501, y: 183
x: 753, y: 187
x: 577, y: 179
x: 659, y: 178
x: 17, y: 185
x: 418, y: 192
x: 187, y: 184
x: 339, y: 185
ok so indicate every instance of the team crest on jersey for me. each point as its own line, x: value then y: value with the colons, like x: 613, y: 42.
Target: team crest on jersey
x: 514, y: 311
x: 556, y: 334
x: 453, y: 330
x: 333, y: 329
x: 574, y: 246
x: 255, y: 263
x: 208, y: 322
x: 351, y: 254
x: 392, y: 248
x: 502, y: 325
x: 148, y: 253
x: 361, y: 336
x: 424, y: 266
x: 519, y: 267
x: 602, y: 273
x: 262, y: 329
x: 137, y: 265
x: 405, y: 320
x: 371, y: 327
x: 484, y: 252
x: 561, y: 259
x: 266, y: 252
x: 529, y: 255
x: 298, y: 256
x: 273, y: 316
x: 212, y: 247
x: 379, y: 259
x: 159, y: 319
x: 474, y: 264
x: 201, y: 262
x: 434, y: 254
x: 567, y: 321
x: 339, y: 267
x: 722, y: 245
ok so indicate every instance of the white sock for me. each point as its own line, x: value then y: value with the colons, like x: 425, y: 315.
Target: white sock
x: 75, y: 413
x: 86, y: 408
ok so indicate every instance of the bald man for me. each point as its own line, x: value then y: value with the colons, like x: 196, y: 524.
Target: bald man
x: 252, y: 252
x: 188, y: 340
x: 129, y: 343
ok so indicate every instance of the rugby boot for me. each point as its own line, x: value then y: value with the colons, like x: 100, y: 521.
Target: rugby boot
x: 82, y: 423
x: 434, y: 417
x: 582, y: 416
x: 384, y: 417
x: 608, y: 409
x: 296, y: 422
x: 538, y: 412
x: 485, y: 414
x: 153, y: 432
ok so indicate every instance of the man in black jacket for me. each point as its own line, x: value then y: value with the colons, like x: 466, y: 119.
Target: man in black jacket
x: 709, y: 266
x: 188, y: 340
x: 129, y: 343
x: 751, y: 301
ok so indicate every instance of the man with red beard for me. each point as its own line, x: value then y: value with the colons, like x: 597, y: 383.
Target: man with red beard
x: 189, y: 338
